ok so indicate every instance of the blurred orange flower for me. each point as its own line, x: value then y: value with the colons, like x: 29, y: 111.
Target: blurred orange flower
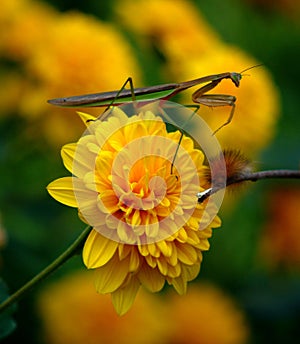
x: 206, y: 315
x: 290, y: 8
x: 72, y: 312
x: 280, y: 244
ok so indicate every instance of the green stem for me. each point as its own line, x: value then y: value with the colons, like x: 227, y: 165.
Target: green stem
x: 60, y: 260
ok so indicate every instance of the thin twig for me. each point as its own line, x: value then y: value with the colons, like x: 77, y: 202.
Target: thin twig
x: 251, y: 176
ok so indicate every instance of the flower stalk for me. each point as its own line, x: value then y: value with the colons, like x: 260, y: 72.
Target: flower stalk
x: 253, y: 177
x: 71, y: 251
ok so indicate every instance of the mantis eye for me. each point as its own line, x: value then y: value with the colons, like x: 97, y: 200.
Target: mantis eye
x: 236, y: 78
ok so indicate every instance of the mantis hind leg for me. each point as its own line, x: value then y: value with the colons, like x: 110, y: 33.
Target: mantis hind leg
x: 106, y: 112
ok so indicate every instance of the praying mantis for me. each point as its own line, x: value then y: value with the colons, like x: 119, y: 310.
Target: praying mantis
x: 161, y: 92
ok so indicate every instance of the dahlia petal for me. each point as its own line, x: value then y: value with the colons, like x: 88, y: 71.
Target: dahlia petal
x: 83, y: 195
x: 153, y: 250
x: 117, y: 142
x: 133, y: 131
x: 152, y: 262
x: 197, y: 157
x: 168, y: 229
x: 192, y: 271
x: 205, y: 234
x: 216, y: 222
x: 152, y: 229
x: 174, y: 271
x: 91, y: 212
x: 173, y: 259
x: 134, y: 260
x: 172, y: 183
x: 186, y: 254
x: 143, y: 249
x: 84, y: 159
x: 204, y: 245
x: 104, y: 164
x: 193, y: 223
x: 98, y: 250
x: 90, y: 181
x: 151, y: 278
x: 182, y: 235
x: 86, y: 118
x: 162, y: 211
x: 162, y: 266
x: 192, y: 238
x: 179, y: 284
x: 136, y: 219
x: 165, y: 248
x: 67, y: 154
x: 122, y: 231
x: 109, y: 202
x: 111, y: 276
x: 123, y: 298
x: 62, y: 190
x: 165, y: 202
x: 124, y: 250
x: 93, y: 147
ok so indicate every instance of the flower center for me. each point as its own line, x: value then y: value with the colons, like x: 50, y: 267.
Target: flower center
x: 144, y: 185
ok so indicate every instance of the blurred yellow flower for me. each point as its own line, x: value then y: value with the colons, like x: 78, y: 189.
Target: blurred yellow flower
x: 141, y: 204
x: 280, y: 244
x: 205, y: 315
x: 176, y: 28
x: 65, y: 54
x: 82, y: 55
x: 11, y: 93
x: 72, y: 312
x: 257, y: 104
x: 23, y: 24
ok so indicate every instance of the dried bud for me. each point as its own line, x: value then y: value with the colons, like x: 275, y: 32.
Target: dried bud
x: 237, y: 166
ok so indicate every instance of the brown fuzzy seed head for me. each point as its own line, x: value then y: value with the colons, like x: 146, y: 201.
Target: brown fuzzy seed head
x: 237, y: 165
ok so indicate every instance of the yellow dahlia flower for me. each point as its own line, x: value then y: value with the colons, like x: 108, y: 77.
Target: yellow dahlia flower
x: 141, y: 203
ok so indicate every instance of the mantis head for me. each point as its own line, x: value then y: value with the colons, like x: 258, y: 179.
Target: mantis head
x: 236, y: 77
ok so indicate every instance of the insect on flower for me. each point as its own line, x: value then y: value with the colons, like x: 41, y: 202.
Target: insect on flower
x: 160, y: 92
